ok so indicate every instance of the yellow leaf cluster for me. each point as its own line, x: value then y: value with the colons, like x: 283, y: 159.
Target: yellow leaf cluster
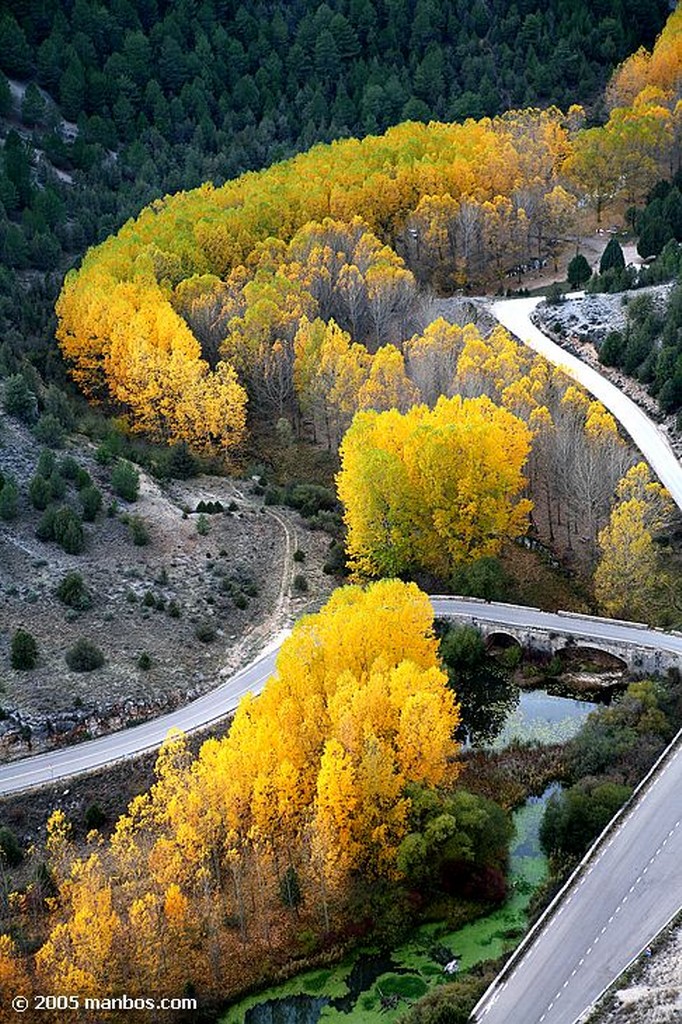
x: 311, y: 778
x: 433, y: 488
x: 629, y: 578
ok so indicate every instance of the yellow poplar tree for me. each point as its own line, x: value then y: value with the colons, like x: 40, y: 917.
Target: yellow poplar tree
x: 434, y: 488
x: 629, y: 579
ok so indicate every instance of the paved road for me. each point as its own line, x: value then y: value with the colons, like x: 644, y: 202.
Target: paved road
x: 625, y: 896
x: 92, y: 754
x: 631, y: 886
x: 514, y: 314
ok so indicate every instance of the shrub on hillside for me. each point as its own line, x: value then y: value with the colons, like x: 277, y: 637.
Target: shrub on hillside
x: 57, y: 485
x: 57, y: 404
x: 47, y: 464
x: 73, y: 592
x: 69, y: 468
x: 84, y: 656
x: 24, y: 650
x: 67, y: 530
x: 205, y: 631
x: 180, y: 463
x: 91, y: 502
x: 310, y: 499
x: 45, y: 527
x: 19, y: 400
x: 125, y: 479
x: 138, y: 531
x: 9, y: 500
x: 40, y: 493
x: 48, y: 430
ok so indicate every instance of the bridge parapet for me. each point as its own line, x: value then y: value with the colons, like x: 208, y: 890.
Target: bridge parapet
x: 640, y: 659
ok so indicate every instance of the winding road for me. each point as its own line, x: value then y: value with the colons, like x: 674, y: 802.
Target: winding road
x: 514, y: 314
x: 217, y: 704
x: 629, y: 887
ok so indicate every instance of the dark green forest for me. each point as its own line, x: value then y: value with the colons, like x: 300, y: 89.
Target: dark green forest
x: 160, y: 96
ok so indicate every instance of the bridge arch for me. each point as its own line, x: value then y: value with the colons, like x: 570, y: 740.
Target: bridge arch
x: 501, y: 638
x: 590, y: 657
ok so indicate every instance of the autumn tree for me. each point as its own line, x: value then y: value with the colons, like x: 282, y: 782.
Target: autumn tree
x: 312, y: 783
x: 630, y: 577
x: 432, y: 488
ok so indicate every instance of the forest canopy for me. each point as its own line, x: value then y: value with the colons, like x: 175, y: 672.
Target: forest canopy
x: 207, y: 289
x: 273, y: 836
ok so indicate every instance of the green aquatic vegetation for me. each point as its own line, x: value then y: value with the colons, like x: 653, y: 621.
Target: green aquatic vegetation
x: 330, y: 982
x: 418, y: 963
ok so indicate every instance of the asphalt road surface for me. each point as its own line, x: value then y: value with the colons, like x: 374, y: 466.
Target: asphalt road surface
x: 92, y: 754
x: 627, y: 893
x: 514, y: 314
x: 213, y: 706
x: 631, y: 886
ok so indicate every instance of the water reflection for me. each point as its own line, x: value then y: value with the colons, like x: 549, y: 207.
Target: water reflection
x: 290, y: 1010
x: 487, y: 699
x: 542, y: 717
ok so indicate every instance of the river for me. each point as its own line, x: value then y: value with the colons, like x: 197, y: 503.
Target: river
x: 371, y: 988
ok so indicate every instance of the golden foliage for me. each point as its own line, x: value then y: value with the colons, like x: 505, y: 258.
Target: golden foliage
x: 629, y: 578
x: 311, y: 778
x: 433, y: 488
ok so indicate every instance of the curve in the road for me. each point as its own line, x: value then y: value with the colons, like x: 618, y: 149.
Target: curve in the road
x: 601, y: 921
x: 43, y: 769
x: 514, y: 314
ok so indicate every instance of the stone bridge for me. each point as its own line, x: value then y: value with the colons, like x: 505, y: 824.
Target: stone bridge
x: 644, y: 651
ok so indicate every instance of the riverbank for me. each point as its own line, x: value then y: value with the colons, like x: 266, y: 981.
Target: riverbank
x: 374, y: 988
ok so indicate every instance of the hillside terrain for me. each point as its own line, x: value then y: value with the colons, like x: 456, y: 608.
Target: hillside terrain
x: 169, y: 616
x: 108, y: 107
x: 284, y: 372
